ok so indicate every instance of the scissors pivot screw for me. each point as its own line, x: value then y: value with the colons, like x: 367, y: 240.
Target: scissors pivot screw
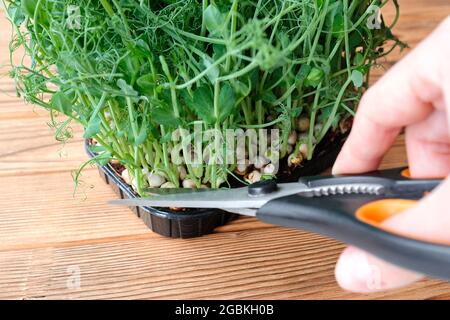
x: 262, y: 188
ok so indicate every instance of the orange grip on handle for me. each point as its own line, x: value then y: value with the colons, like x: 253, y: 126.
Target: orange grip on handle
x: 406, y: 173
x: 376, y: 212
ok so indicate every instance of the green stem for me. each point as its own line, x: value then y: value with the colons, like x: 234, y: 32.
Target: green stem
x: 312, y: 122
x: 259, y: 111
x: 107, y: 6
x: 346, y: 37
x: 318, y: 32
x: 204, y: 6
x: 334, y: 110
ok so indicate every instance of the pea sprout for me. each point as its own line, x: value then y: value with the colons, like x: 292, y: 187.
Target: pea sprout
x: 132, y: 72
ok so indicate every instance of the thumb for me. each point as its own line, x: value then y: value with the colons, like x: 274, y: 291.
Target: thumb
x: 429, y: 221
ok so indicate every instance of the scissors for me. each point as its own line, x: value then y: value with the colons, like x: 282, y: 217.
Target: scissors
x: 350, y: 209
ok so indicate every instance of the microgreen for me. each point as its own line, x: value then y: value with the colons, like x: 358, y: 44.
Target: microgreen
x: 134, y: 71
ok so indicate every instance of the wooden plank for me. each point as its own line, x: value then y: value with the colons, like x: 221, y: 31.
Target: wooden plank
x: 264, y: 263
x: 28, y: 146
x: 41, y: 208
x: 46, y: 234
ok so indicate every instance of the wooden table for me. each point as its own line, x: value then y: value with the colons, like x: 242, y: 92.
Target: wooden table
x: 48, y: 236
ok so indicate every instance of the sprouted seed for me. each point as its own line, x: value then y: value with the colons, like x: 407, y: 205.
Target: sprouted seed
x: 269, y: 169
x: 168, y: 185
x: 292, y: 139
x: 155, y: 180
x: 254, y: 176
x: 126, y: 176
x: 303, y: 124
x: 132, y: 72
x: 189, y: 184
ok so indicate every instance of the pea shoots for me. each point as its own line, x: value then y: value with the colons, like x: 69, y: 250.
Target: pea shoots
x: 133, y: 72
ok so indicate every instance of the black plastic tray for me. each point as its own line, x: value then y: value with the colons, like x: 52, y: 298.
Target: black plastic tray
x: 198, y: 222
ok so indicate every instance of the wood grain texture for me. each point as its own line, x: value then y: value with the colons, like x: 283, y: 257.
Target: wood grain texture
x: 46, y: 233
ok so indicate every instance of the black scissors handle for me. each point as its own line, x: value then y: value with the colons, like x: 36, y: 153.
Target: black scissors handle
x: 355, y: 219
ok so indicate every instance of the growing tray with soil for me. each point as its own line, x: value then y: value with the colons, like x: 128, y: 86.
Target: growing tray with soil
x: 145, y: 77
x: 189, y: 223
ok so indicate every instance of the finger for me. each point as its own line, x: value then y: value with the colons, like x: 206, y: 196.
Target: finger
x: 429, y: 221
x: 358, y: 271
x: 428, y: 147
x: 404, y: 96
x: 365, y: 147
x: 429, y: 156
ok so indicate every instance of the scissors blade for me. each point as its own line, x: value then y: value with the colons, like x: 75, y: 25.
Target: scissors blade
x: 221, y: 199
x: 167, y: 191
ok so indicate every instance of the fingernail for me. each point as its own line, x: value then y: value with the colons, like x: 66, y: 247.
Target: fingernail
x: 335, y: 171
x: 355, y: 273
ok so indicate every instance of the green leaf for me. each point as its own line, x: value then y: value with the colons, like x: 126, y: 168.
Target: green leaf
x: 29, y: 7
x: 269, y: 97
x: 126, y: 88
x: 163, y: 113
x: 214, y: 20
x: 314, y: 77
x: 165, y: 117
x: 143, y: 47
x: 143, y: 133
x: 227, y: 101
x: 166, y: 138
x: 146, y: 83
x: 16, y: 14
x: 252, y: 78
x: 93, y: 127
x: 97, y: 149
x: 61, y: 102
x: 219, y: 50
x: 214, y: 72
x: 302, y: 74
x: 104, y: 159
x: 334, y: 9
x: 338, y: 25
x: 69, y: 60
x: 296, y: 112
x: 355, y: 39
x: 283, y: 39
x: 202, y: 103
x: 326, y: 113
x: 357, y: 78
x: 358, y: 59
x: 241, y: 88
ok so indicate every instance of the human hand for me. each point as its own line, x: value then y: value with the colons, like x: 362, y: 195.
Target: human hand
x: 414, y: 94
